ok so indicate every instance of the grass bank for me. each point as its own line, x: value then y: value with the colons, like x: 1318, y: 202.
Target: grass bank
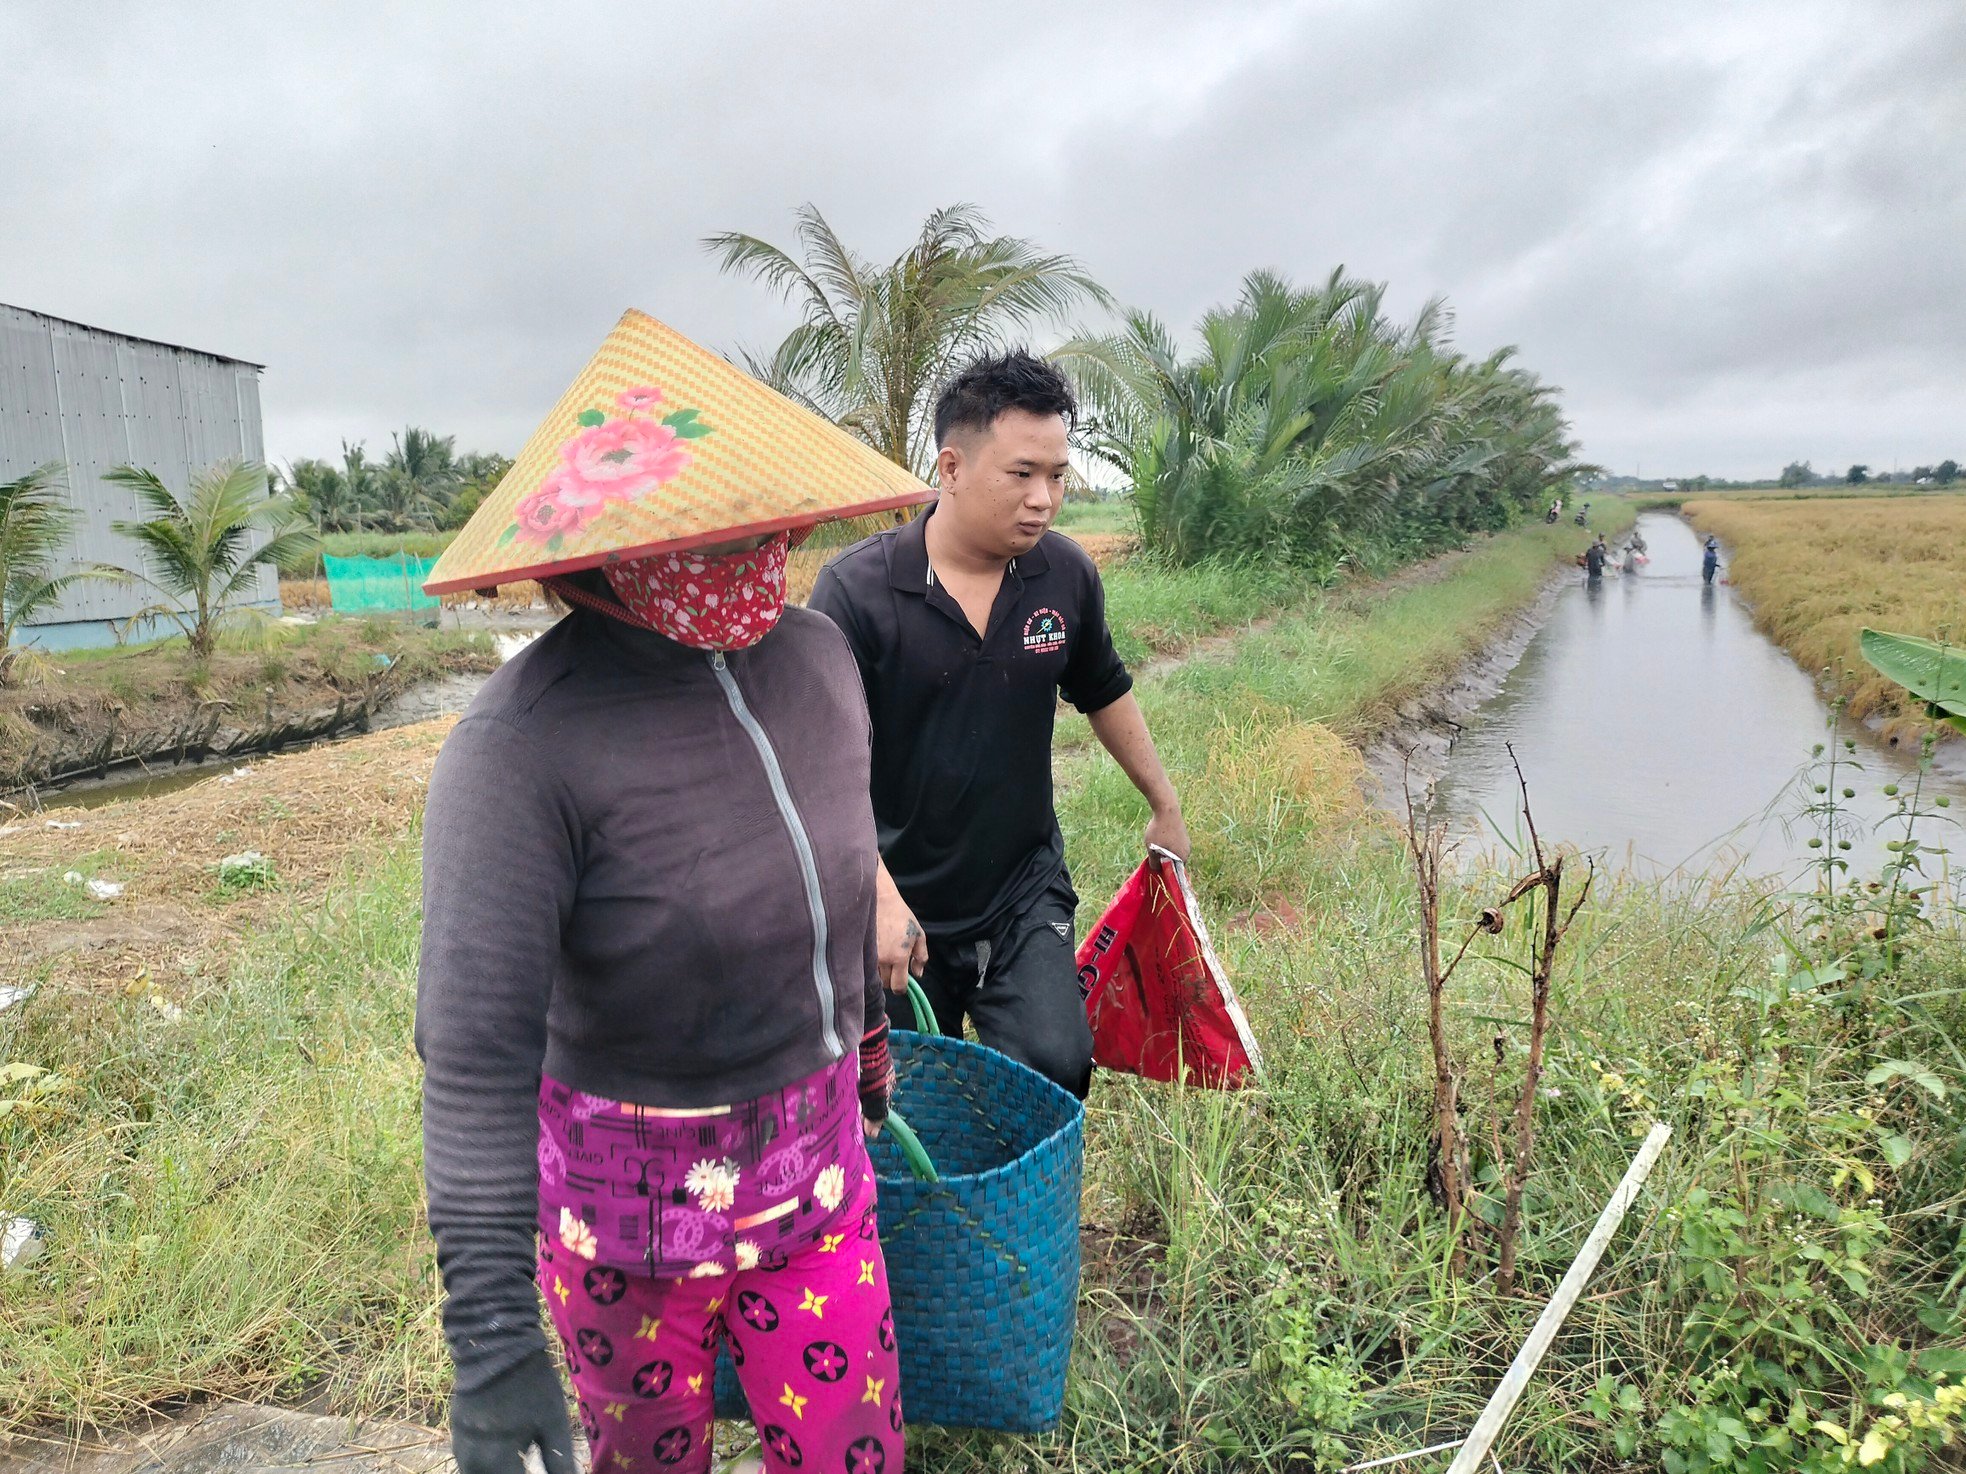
x: 87, y: 707
x: 1817, y: 572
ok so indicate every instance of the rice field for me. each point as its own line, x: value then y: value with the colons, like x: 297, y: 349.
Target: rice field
x: 1817, y: 572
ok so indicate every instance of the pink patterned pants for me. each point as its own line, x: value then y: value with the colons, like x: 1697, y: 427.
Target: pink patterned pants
x: 811, y: 1331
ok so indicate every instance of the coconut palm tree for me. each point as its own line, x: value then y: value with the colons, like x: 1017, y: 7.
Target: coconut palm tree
x: 35, y: 524
x: 876, y: 341
x: 419, y: 477
x: 360, y: 478
x: 324, y: 492
x: 201, y: 544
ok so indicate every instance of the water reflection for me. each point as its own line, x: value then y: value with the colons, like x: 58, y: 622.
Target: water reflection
x: 1659, y: 728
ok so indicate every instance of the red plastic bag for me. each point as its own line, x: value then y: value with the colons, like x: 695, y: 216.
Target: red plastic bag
x: 1156, y: 997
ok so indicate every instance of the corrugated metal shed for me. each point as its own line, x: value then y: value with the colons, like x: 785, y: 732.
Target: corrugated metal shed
x: 93, y: 400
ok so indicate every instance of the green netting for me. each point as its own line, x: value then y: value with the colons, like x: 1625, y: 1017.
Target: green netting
x: 365, y: 585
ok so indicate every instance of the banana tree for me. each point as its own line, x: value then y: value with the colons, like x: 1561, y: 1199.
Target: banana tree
x: 1933, y: 672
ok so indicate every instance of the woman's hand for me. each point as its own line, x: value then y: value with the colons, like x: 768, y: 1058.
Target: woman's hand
x: 492, y: 1428
x: 876, y: 1078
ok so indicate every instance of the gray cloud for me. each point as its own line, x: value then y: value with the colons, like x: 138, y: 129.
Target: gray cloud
x: 1734, y: 234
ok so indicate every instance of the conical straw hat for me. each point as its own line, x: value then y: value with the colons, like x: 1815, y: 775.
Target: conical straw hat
x: 661, y: 444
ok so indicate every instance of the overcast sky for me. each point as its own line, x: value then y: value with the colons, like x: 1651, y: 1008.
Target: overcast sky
x: 1735, y: 234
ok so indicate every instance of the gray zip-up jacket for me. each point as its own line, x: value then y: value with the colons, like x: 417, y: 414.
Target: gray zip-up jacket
x: 649, y: 872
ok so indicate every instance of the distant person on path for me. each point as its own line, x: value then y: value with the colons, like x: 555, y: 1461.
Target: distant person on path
x: 1555, y: 511
x: 1710, y: 559
x: 1594, y: 557
x: 1583, y: 514
x: 968, y: 624
x: 653, y: 1032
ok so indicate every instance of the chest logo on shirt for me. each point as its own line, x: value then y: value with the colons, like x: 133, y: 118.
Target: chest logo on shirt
x: 1044, y: 632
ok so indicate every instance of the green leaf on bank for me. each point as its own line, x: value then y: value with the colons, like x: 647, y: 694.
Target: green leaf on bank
x: 1906, y: 1069
x: 1933, y: 672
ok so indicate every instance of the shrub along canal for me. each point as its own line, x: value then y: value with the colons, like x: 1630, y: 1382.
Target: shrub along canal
x: 1658, y: 727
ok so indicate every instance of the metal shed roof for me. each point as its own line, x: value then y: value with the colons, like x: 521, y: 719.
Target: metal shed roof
x: 132, y: 337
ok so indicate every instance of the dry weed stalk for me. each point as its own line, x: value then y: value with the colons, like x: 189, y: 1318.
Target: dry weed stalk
x: 1449, y: 1176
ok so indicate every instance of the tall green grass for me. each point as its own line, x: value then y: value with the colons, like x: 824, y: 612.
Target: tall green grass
x: 1112, y: 514
x: 232, y: 1196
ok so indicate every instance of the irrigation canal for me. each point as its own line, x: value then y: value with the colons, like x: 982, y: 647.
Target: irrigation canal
x: 1660, y: 730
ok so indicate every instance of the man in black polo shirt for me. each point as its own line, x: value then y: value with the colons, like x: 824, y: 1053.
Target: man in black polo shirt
x: 967, y: 625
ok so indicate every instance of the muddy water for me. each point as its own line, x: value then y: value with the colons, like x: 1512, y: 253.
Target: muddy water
x: 433, y: 699
x: 1659, y: 729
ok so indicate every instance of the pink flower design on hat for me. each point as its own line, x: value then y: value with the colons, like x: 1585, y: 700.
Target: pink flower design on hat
x: 605, y: 461
x: 621, y: 459
x: 543, y: 516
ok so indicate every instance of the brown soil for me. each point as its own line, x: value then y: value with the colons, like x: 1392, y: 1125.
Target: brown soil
x: 310, y: 596
x: 1121, y: 1262
x: 306, y: 812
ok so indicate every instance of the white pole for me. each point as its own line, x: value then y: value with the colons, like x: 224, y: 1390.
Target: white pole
x: 1488, y: 1426
x: 1432, y: 1448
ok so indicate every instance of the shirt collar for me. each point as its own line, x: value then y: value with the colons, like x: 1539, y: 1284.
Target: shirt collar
x: 908, y: 569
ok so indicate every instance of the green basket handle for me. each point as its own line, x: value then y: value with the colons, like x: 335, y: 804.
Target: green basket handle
x: 924, y: 1010
x: 911, y: 1147
x: 904, y: 1137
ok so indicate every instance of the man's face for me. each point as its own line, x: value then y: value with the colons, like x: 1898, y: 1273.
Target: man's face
x: 1003, y: 486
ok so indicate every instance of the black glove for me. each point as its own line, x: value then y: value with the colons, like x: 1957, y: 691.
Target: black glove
x: 876, y: 1073
x: 492, y: 1428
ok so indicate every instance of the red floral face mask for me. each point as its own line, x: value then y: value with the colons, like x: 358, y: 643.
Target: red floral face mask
x: 726, y: 601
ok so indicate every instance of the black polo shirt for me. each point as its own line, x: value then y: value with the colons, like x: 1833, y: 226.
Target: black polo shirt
x: 962, y: 723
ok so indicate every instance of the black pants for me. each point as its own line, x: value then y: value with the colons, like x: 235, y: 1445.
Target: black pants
x: 1020, y: 988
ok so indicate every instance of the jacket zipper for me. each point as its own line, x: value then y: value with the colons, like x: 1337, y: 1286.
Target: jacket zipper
x: 822, y: 972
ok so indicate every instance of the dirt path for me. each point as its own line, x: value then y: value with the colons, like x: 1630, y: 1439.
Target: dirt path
x: 176, y: 915
x: 234, y: 1437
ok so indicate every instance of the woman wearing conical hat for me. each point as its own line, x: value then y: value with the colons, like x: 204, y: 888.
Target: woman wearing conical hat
x: 648, y: 1010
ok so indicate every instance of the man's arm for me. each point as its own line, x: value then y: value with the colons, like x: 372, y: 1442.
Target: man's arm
x: 1122, y: 731
x: 903, y: 945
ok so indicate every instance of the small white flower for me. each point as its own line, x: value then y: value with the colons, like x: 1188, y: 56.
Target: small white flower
x: 708, y: 1269
x: 747, y: 1254
x: 714, y: 1183
x: 576, y: 1235
x: 830, y: 1189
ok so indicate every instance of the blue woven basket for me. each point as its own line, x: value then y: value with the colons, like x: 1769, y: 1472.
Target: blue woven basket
x: 984, y: 1264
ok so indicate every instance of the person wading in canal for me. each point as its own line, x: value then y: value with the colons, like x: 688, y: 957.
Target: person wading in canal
x: 1594, y: 557
x: 1710, y: 559
x: 967, y: 625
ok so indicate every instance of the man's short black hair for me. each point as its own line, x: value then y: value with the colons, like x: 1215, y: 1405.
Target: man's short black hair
x: 974, y: 398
